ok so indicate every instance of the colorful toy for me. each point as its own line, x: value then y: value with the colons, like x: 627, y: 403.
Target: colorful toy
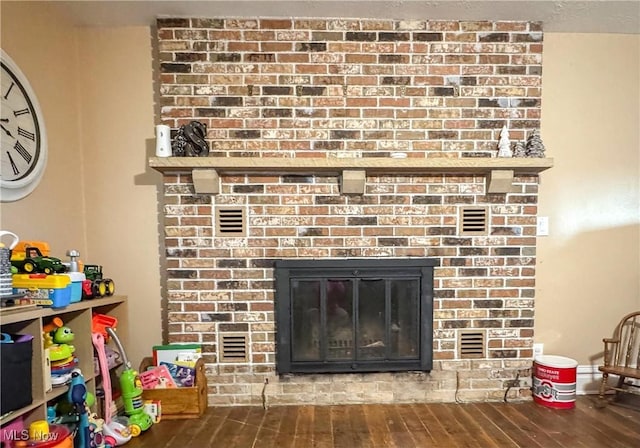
x: 39, y: 430
x: 63, y: 335
x: 72, y: 409
x: 131, y: 388
x: 31, y: 260
x: 154, y: 409
x: 51, y: 414
x: 55, y: 323
x: 77, y: 395
x: 100, y: 323
x: 42, y: 289
x: 56, y: 337
x: 96, y: 432
x: 43, y: 246
x: 60, y: 380
x: 57, y: 340
x: 115, y: 433
x: 61, y: 354
x: 98, y: 343
x: 95, y: 285
x: 74, y: 260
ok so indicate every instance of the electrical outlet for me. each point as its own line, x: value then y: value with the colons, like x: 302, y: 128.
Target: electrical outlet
x: 538, y: 350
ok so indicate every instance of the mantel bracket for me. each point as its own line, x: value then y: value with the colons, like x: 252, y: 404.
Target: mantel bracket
x: 500, y: 181
x: 354, y: 181
x: 206, y: 181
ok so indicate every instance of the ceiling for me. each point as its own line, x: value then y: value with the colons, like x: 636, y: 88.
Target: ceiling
x: 572, y: 16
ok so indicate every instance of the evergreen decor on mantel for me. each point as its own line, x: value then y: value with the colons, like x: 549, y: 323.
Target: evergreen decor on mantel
x: 518, y: 149
x: 535, y: 147
x: 504, y: 145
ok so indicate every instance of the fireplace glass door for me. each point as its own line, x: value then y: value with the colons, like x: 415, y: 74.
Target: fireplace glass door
x: 354, y: 315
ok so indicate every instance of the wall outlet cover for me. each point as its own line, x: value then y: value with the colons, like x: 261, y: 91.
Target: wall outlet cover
x: 538, y: 350
x: 543, y: 226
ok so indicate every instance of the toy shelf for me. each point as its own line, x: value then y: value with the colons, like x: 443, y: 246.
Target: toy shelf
x: 78, y: 317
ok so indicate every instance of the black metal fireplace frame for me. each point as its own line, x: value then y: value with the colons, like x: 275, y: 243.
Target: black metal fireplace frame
x: 310, y: 269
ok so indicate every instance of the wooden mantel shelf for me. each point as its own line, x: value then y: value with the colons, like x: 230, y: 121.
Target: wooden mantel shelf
x: 500, y: 171
x: 313, y: 165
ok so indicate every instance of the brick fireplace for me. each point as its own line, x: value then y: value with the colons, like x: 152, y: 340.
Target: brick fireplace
x: 337, y: 90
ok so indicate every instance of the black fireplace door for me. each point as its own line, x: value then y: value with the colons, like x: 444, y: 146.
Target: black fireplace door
x: 354, y: 315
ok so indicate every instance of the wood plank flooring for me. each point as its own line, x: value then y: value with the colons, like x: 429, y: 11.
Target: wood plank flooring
x: 482, y: 425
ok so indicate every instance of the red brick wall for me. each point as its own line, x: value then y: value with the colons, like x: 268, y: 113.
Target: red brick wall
x: 352, y: 88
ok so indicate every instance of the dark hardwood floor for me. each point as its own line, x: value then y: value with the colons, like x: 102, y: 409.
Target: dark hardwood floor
x: 481, y: 425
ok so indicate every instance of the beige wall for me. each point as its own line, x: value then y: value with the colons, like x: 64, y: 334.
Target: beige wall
x: 96, y: 87
x: 117, y: 136
x: 589, y: 267
x: 43, y: 45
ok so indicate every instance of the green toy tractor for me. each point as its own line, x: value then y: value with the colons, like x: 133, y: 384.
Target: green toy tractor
x: 32, y: 261
x: 95, y: 285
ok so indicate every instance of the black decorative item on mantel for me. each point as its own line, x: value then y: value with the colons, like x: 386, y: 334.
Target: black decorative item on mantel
x: 535, y: 147
x: 190, y: 141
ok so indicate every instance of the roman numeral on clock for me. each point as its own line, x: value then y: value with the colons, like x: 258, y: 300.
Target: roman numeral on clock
x: 26, y: 134
x: 17, y: 113
x: 14, y: 167
x: 23, y: 152
x: 6, y: 95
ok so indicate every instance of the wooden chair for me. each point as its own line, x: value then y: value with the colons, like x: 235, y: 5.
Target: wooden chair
x: 622, y: 358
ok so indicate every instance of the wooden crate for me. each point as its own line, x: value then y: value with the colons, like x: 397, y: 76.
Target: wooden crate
x: 181, y: 402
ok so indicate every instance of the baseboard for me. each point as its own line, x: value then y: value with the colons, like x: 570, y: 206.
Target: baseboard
x: 588, y: 380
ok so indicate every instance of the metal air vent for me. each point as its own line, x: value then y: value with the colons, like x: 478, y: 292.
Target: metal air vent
x: 233, y: 348
x: 230, y: 221
x: 474, y: 221
x: 471, y: 344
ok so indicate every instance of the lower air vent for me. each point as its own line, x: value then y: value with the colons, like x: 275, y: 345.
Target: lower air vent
x: 233, y: 348
x: 471, y: 344
x: 474, y: 221
x: 230, y: 221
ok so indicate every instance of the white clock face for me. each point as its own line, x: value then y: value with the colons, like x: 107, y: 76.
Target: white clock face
x: 24, y: 143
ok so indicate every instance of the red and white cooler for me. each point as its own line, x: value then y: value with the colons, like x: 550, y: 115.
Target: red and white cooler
x: 554, y: 381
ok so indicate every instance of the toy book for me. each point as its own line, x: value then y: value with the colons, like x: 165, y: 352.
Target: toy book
x: 176, y: 352
x: 157, y: 378
x: 183, y: 376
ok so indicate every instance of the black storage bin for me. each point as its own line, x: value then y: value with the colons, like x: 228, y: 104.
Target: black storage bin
x: 15, y: 373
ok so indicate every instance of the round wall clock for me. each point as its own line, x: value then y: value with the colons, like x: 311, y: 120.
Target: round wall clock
x: 24, y: 139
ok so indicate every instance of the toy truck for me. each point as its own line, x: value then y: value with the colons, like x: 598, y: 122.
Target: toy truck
x: 95, y: 285
x: 31, y: 260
